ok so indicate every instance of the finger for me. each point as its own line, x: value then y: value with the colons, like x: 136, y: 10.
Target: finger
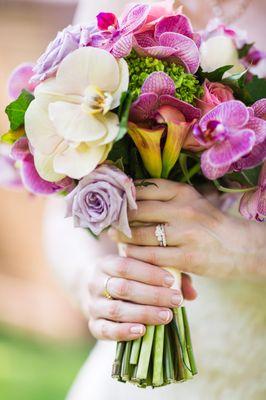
x: 107, y: 330
x: 158, y: 189
x: 121, y: 311
x: 144, y: 236
x: 128, y: 268
x: 141, y: 293
x: 150, y: 211
x: 175, y: 257
x: 188, y: 290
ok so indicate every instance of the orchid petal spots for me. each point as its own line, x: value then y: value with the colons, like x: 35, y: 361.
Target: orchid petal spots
x: 212, y: 172
x: 253, y: 159
x: 123, y: 46
x: 148, y: 143
x: 144, y: 107
x: 190, y: 112
x: 135, y: 18
x: 249, y: 205
x: 258, y: 125
x: 159, y: 83
x: 231, y: 150
x: 233, y: 114
x: 178, y: 24
x: 185, y: 49
x: 260, y: 109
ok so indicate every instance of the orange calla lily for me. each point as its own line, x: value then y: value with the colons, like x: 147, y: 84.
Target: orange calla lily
x: 148, y: 143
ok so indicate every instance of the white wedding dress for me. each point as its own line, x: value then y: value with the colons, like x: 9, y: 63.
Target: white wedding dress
x: 228, y: 320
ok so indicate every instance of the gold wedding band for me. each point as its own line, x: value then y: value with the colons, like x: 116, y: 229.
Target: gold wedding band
x: 106, y: 294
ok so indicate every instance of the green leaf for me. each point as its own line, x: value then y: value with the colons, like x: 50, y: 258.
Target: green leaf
x: 236, y: 81
x: 215, y: 76
x: 256, y: 89
x: 243, y: 52
x: 123, y: 113
x: 92, y: 234
x: 17, y: 109
x: 12, y: 136
x: 120, y: 151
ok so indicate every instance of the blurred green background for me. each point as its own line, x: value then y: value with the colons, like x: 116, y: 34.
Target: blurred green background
x: 37, y: 369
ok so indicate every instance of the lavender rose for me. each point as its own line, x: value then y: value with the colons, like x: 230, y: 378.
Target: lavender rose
x: 66, y: 41
x: 102, y: 199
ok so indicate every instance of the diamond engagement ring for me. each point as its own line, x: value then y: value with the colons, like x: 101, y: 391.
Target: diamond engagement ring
x: 160, y: 235
x: 106, y: 294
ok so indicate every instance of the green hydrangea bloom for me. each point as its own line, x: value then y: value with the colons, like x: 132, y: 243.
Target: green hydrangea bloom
x: 187, y: 86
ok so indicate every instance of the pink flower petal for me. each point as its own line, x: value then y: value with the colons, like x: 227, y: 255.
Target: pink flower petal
x: 258, y: 125
x: 122, y: 47
x: 190, y: 112
x: 144, y: 107
x: 20, y: 149
x: 262, y: 203
x: 185, y: 49
x: 105, y: 20
x: 232, y: 149
x: 135, y: 18
x: 233, y: 114
x: 177, y: 23
x: 249, y: 205
x: 20, y: 79
x: 209, y: 170
x: 253, y: 159
x: 159, y: 83
x: 260, y: 108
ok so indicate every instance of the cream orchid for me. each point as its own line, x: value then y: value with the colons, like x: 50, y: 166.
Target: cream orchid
x: 69, y: 124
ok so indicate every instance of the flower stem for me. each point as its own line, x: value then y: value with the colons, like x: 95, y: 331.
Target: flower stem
x: 126, y: 367
x: 145, y: 353
x: 158, y: 346
x: 116, y: 370
x: 178, y: 315
x: 135, y: 351
x: 189, y: 343
x: 169, y: 372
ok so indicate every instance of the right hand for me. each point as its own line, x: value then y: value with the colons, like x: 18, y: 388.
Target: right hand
x: 141, y: 295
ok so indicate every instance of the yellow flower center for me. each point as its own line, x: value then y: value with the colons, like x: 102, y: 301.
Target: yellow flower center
x: 96, y: 101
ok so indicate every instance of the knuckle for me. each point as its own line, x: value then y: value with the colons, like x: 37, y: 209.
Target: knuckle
x: 157, y: 297
x: 104, y: 330
x: 192, y: 236
x: 189, y: 258
x: 188, y: 212
x: 152, y: 258
x: 122, y: 288
x: 114, y: 311
x: 122, y: 267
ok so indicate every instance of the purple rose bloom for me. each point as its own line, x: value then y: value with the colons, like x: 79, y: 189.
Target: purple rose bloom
x: 66, y: 41
x: 102, y: 199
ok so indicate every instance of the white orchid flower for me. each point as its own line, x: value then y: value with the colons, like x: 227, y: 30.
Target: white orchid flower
x: 69, y: 124
x: 217, y: 52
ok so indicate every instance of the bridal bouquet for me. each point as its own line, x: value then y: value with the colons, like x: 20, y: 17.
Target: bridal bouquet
x: 133, y: 98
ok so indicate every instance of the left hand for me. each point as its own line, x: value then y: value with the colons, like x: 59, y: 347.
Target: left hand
x: 200, y: 238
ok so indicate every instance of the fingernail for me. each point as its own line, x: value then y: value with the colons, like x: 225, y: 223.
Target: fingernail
x: 122, y: 249
x: 165, y: 315
x: 137, y: 330
x: 177, y: 300
x: 169, y: 280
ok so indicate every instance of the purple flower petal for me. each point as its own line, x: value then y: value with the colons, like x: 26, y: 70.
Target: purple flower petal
x: 144, y: 107
x: 177, y: 23
x: 122, y: 47
x: 185, y: 49
x: 190, y: 112
x: 233, y: 114
x: 253, y: 159
x: 20, y: 149
x: 258, y: 125
x: 249, y: 205
x: 260, y: 108
x: 232, y: 149
x: 159, y: 83
x: 145, y: 39
x: 20, y: 79
x: 105, y: 20
x: 135, y: 18
x: 209, y: 170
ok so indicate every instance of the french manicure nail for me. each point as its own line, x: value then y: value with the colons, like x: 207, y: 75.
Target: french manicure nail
x: 177, y: 300
x: 169, y: 280
x: 138, y: 330
x: 165, y: 315
x: 122, y: 249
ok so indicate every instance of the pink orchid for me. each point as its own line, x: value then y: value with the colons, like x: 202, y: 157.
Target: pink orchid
x: 253, y: 204
x: 29, y: 175
x: 117, y: 37
x: 227, y: 134
x: 20, y: 79
x: 171, y: 38
x: 257, y: 122
x: 214, y: 94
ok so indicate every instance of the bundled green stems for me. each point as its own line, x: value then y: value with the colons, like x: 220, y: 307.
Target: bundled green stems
x: 163, y: 356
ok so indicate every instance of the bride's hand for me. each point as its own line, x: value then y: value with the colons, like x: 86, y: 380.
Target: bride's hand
x: 200, y: 238
x: 141, y: 296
